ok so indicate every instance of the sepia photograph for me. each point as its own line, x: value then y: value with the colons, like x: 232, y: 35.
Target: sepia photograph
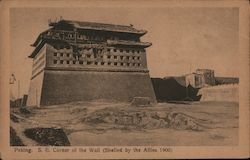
x: 79, y: 77
x: 132, y: 75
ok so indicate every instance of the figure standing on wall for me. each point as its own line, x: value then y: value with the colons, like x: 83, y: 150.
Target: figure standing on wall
x: 76, y: 52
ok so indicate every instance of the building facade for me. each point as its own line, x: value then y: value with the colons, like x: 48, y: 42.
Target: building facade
x: 82, y: 61
x: 201, y: 78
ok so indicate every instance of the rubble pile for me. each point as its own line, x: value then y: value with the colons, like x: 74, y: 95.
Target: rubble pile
x: 15, y: 140
x: 48, y: 136
x: 14, y: 118
x: 24, y: 110
x: 144, y: 119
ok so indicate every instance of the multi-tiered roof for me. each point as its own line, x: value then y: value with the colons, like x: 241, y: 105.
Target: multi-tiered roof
x: 109, y: 35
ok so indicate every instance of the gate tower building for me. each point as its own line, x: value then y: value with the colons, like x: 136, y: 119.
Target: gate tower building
x: 84, y: 61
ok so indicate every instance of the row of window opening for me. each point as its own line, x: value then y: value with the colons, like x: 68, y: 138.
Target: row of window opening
x: 96, y: 63
x: 122, y: 50
x: 108, y: 50
x: 108, y: 56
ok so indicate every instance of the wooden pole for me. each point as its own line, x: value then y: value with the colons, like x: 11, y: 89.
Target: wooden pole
x: 18, y: 89
x: 36, y: 98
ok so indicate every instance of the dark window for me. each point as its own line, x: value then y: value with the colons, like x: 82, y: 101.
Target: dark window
x: 55, y: 54
x: 88, y: 62
x: 121, y: 64
x: 133, y: 64
x: 88, y: 56
x: 133, y: 57
x: 115, y: 63
x: 114, y: 50
x: 61, y: 61
x: 70, y: 35
x: 138, y: 58
x: 80, y: 62
x: 102, y: 63
x: 55, y: 61
x: 96, y: 63
x: 133, y: 51
x: 127, y: 64
x: 121, y: 57
x: 67, y: 62
x: 67, y: 54
x: 127, y: 51
x: 74, y: 62
x: 61, y: 54
x: 121, y: 50
x: 108, y: 50
x: 138, y: 51
x: 127, y: 57
x: 115, y: 57
x: 139, y: 64
x: 109, y: 56
x: 109, y: 63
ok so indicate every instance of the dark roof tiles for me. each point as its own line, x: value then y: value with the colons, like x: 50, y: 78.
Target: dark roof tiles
x: 103, y: 26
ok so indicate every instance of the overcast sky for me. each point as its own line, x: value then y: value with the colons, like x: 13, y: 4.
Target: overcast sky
x: 181, y: 37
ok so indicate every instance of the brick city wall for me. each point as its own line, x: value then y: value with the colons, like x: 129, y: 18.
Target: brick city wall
x: 66, y: 86
x: 35, y: 90
x: 227, y: 92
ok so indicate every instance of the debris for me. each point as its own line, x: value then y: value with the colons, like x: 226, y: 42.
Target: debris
x: 142, y: 119
x: 48, y: 136
x: 14, y: 118
x: 78, y: 110
x: 182, y: 121
x: 141, y: 101
x: 14, y: 139
x: 24, y: 110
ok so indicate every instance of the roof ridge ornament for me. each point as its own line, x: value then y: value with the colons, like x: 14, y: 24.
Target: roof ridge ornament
x: 55, y: 21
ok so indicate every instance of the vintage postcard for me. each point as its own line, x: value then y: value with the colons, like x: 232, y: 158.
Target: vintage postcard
x: 124, y: 79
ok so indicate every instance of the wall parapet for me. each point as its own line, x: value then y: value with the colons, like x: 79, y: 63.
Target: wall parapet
x: 224, y: 92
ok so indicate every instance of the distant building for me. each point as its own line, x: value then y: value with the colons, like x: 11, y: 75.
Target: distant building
x: 226, y: 80
x: 200, y: 78
x: 78, y: 61
x: 199, y: 85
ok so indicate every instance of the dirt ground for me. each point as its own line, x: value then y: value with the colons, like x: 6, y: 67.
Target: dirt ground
x: 100, y: 123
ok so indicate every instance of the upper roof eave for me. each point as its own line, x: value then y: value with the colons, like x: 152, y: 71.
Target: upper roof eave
x: 128, y: 43
x: 102, y: 27
x: 38, y: 39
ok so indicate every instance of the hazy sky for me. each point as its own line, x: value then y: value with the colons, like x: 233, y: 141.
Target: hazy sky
x: 181, y: 37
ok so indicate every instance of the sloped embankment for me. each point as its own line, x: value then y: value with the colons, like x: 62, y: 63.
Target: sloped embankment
x: 23, y: 131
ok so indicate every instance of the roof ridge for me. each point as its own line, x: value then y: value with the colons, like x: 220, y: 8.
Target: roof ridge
x: 77, y: 21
